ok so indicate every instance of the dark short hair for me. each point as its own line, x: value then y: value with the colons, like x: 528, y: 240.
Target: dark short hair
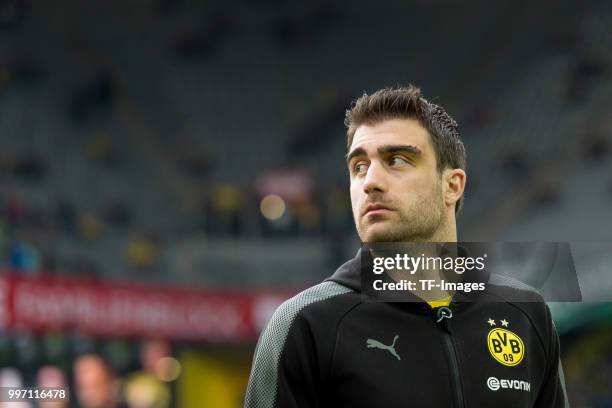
x: 408, y: 103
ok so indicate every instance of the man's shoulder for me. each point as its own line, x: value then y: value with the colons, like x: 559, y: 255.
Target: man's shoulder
x: 518, y: 294
x: 512, y: 290
x: 325, y: 299
x: 311, y: 314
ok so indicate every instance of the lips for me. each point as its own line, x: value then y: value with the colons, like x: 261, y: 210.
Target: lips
x: 376, y: 209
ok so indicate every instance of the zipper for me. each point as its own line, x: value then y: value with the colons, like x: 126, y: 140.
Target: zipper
x: 443, y: 314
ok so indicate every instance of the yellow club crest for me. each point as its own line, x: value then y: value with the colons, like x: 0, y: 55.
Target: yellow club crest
x: 506, y: 346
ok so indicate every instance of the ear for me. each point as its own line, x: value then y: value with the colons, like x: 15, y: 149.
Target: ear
x: 453, y: 185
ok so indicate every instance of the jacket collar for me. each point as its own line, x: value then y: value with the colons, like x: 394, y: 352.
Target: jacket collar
x: 349, y: 275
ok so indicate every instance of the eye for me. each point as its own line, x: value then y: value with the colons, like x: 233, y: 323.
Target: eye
x: 360, y: 167
x: 397, y: 161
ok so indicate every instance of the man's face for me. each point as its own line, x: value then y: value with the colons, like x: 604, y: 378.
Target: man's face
x: 94, y: 385
x: 396, y: 190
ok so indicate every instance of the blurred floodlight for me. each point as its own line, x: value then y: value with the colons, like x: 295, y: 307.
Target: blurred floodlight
x: 272, y: 207
x: 167, y: 369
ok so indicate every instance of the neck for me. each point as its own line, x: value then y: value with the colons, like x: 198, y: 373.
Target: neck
x: 446, y: 231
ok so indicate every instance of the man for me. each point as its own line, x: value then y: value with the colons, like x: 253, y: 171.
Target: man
x: 51, y: 376
x: 328, y: 347
x: 95, y: 383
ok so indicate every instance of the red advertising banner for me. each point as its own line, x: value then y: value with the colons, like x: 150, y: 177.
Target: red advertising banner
x: 122, y: 309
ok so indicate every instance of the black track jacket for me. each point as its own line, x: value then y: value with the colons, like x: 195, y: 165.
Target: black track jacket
x: 330, y: 347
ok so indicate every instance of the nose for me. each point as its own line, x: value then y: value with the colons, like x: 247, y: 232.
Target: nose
x: 375, y: 179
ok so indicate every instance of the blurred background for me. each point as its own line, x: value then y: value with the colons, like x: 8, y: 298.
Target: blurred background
x: 171, y: 170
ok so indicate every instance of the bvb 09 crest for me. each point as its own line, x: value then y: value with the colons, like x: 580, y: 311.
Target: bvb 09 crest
x: 506, y: 346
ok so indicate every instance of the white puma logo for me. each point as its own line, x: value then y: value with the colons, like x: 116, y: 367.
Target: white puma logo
x: 371, y: 343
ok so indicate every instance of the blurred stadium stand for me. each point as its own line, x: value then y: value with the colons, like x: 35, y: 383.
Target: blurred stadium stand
x: 201, y: 145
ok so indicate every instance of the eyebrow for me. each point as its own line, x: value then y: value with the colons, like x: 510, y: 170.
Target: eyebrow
x: 385, y: 150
